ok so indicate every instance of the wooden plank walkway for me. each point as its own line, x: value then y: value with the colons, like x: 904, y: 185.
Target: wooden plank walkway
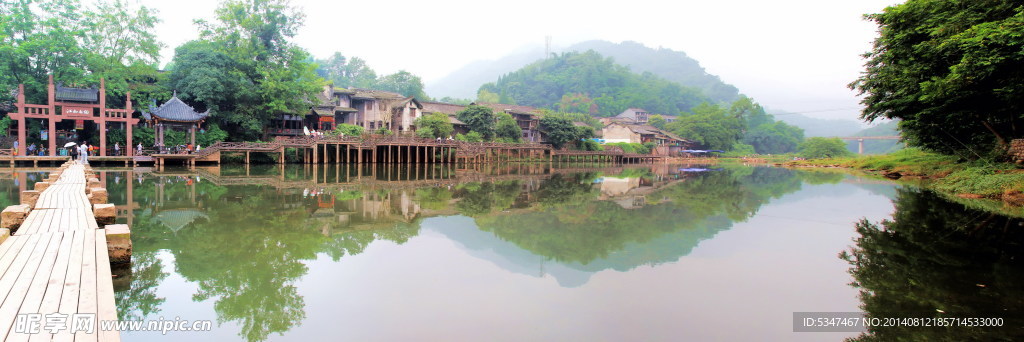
x: 57, y: 263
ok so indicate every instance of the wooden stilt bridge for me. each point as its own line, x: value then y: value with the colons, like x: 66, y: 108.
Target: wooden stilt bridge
x: 399, y: 150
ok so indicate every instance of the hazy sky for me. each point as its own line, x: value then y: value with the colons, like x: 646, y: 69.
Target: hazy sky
x: 796, y: 55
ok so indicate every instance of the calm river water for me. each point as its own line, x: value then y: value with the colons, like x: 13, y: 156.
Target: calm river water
x: 681, y: 253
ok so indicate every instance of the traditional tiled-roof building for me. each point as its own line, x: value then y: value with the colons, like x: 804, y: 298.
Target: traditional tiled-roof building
x: 449, y: 109
x: 636, y: 116
x: 527, y: 117
x: 617, y: 132
x: 378, y: 108
x: 370, y: 109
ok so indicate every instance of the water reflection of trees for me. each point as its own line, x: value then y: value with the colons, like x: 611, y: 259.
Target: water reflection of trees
x: 247, y: 252
x: 940, y: 259
x: 569, y: 226
x: 250, y: 246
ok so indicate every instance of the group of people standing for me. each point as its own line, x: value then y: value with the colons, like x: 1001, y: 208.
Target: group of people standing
x: 81, y: 152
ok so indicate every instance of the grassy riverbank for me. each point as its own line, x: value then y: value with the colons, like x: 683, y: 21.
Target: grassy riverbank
x: 943, y: 173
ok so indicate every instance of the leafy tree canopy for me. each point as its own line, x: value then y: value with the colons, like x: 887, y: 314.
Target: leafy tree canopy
x: 819, y: 147
x: 507, y: 129
x: 346, y: 72
x: 261, y: 70
x: 951, y: 70
x: 709, y: 126
x: 347, y: 130
x: 560, y: 130
x: 480, y: 119
x: 403, y: 82
x: 78, y: 45
x: 434, y: 125
x: 657, y: 120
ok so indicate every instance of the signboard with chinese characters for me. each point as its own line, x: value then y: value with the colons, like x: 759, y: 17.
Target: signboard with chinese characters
x: 79, y: 124
x: 77, y: 111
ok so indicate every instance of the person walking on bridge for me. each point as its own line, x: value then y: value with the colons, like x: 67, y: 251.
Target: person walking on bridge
x: 72, y: 151
x: 85, y: 153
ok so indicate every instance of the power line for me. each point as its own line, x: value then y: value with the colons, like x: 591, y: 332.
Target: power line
x: 817, y: 111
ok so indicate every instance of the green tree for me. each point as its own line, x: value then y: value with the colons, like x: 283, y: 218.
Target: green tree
x: 819, y: 147
x: 434, y: 125
x: 458, y: 101
x: 950, y: 70
x: 5, y: 125
x: 345, y: 72
x: 710, y: 126
x: 560, y: 130
x: 206, y: 75
x: 485, y: 96
x: 507, y: 129
x: 630, y: 147
x: 211, y: 135
x: 78, y: 45
x: 741, y: 149
x: 480, y: 119
x: 122, y: 49
x: 473, y: 136
x: 403, y: 82
x: 577, y: 103
x: 32, y: 47
x: 348, y: 130
x: 657, y: 120
x: 268, y: 73
x: 776, y: 137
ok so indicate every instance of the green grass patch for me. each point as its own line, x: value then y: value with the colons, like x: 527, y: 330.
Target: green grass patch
x: 948, y: 174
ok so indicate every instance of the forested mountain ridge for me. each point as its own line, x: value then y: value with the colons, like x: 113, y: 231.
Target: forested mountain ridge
x: 593, y: 83
x: 669, y: 64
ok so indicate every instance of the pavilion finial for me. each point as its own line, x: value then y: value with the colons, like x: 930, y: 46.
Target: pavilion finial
x: 175, y: 93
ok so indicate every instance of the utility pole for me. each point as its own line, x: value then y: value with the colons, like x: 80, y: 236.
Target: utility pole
x: 547, y: 47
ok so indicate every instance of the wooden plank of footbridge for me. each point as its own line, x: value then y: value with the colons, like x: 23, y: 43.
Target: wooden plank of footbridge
x: 57, y: 263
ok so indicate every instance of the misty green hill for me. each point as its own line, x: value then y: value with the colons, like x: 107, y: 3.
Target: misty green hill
x: 604, y: 87
x: 669, y: 64
x: 817, y: 127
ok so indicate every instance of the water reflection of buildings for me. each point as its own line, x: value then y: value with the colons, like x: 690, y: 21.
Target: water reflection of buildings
x: 337, y: 198
x: 630, y: 190
x: 175, y: 201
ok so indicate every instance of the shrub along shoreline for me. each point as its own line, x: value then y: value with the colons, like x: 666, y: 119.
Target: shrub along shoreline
x: 943, y: 173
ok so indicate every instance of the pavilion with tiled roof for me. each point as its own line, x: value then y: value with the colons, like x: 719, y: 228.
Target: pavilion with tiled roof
x: 174, y: 113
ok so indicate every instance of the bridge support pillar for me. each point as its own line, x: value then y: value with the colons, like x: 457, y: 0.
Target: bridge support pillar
x: 860, y: 146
